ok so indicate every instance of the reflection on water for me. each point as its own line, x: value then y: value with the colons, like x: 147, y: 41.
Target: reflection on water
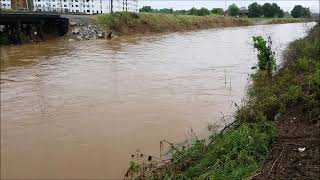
x: 79, y: 109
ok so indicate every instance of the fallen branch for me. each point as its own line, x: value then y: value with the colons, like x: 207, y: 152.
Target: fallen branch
x: 276, y: 161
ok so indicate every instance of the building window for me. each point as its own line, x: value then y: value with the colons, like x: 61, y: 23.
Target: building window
x: 77, y: 5
x: 88, y: 11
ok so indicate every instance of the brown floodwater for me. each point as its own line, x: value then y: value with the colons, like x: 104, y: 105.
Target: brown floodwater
x: 80, y: 109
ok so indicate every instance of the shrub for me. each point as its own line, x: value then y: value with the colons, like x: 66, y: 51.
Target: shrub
x: 266, y: 59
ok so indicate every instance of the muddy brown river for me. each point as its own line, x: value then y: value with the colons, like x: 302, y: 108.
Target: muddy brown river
x: 78, y: 110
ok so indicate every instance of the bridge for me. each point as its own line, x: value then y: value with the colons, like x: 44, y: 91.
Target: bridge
x: 20, y: 25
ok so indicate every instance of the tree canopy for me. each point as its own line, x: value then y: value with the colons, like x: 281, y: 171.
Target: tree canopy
x: 233, y: 10
x: 300, y: 12
x: 255, y: 10
x: 217, y: 11
x: 266, y: 10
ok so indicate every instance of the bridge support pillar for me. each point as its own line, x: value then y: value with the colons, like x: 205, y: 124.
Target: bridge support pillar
x: 18, y: 33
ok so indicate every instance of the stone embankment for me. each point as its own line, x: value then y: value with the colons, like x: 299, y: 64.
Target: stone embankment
x: 83, y: 27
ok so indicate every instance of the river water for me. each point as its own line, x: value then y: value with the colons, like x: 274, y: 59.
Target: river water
x: 80, y: 109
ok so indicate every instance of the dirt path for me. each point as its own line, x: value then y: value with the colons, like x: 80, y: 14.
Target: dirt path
x: 296, y: 154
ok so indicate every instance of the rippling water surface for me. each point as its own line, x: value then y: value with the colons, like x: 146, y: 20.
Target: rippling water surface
x: 79, y: 109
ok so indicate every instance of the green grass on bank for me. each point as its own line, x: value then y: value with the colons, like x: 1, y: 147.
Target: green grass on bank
x: 140, y: 23
x: 128, y: 23
x: 234, y: 155
x: 239, y: 151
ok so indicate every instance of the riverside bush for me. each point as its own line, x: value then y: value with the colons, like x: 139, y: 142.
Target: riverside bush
x: 266, y: 59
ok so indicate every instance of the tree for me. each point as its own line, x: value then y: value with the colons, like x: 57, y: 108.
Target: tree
x: 193, y: 11
x: 181, y: 12
x: 199, y: 12
x: 146, y: 9
x: 217, y: 11
x: 266, y: 59
x: 203, y: 12
x: 306, y: 13
x: 166, y: 11
x: 300, y: 12
x: 268, y: 10
x: 277, y: 10
x: 233, y: 10
x: 281, y: 14
x: 255, y: 10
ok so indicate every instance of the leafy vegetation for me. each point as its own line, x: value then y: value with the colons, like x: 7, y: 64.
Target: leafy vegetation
x: 300, y: 12
x: 255, y: 10
x: 267, y: 10
x: 272, y: 10
x: 266, y: 59
x: 238, y: 151
x: 218, y: 11
x: 233, y: 10
x: 193, y: 11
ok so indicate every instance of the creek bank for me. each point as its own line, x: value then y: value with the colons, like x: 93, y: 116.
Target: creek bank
x: 275, y: 134
x: 126, y: 23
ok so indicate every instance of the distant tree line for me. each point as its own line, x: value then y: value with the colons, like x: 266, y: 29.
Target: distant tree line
x: 254, y: 10
x: 193, y: 11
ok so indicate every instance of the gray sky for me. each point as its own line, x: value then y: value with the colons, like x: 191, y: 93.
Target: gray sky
x: 286, y: 5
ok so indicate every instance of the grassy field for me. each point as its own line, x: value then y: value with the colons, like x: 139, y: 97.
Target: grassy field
x: 280, y: 115
x: 141, y: 23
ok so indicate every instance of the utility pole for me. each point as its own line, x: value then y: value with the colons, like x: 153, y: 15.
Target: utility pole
x: 111, y: 6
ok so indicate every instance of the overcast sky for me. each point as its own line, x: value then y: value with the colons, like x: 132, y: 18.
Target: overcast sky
x: 286, y: 5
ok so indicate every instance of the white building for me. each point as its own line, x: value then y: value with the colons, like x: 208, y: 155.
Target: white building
x: 125, y: 5
x: 85, y: 6
x: 5, y: 4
